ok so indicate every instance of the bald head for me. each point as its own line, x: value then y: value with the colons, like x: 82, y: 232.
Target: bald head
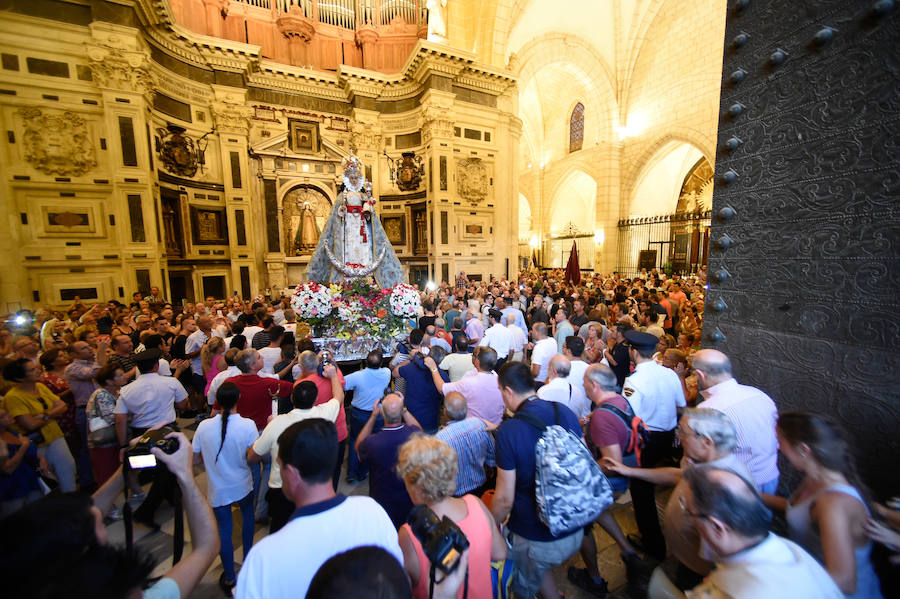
x: 455, y: 405
x: 560, y: 366
x: 730, y: 501
x: 392, y: 408
x: 510, y: 318
x: 713, y: 367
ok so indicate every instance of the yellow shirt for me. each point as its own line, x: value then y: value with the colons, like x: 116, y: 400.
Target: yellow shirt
x: 18, y: 402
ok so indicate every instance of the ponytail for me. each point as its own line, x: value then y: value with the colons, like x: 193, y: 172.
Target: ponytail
x: 227, y: 396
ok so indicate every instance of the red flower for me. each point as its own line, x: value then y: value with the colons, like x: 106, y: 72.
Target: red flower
x: 381, y: 313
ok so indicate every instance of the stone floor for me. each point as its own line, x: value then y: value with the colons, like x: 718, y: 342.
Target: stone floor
x: 159, y: 543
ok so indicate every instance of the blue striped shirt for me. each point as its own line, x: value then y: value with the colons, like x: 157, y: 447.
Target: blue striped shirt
x: 474, y: 447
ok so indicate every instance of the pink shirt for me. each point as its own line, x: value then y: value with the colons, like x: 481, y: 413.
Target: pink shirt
x: 754, y: 415
x: 483, y: 399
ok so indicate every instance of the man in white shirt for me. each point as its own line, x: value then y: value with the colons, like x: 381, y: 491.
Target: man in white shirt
x: 282, y: 565
x: 506, y: 310
x: 251, y: 329
x: 151, y: 401
x: 559, y: 389
x: 574, y: 350
x: 750, y: 561
x: 271, y: 354
x: 498, y: 338
x: 655, y: 393
x: 544, y: 348
x: 519, y: 338
x: 304, y: 397
x: 752, y: 411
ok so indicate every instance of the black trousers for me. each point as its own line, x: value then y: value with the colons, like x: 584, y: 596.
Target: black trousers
x: 643, y: 494
x: 164, y: 487
x: 280, y: 509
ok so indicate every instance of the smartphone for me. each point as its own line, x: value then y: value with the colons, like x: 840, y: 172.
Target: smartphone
x: 146, y: 460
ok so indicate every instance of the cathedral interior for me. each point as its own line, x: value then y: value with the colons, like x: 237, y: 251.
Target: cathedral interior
x: 195, y: 146
x: 181, y: 144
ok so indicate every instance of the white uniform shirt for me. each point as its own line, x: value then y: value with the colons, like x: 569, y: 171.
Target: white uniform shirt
x: 499, y: 339
x: 543, y: 351
x: 195, y: 341
x: 228, y: 475
x: 268, y: 439
x: 562, y: 391
x: 150, y: 399
x: 654, y: 393
x: 281, y: 565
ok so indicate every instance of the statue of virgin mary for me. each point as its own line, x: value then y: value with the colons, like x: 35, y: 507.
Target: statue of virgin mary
x: 353, y: 243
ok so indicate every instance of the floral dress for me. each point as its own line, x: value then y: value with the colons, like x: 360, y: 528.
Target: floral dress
x: 60, y: 387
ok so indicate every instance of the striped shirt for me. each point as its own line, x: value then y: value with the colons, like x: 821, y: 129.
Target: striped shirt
x: 754, y: 415
x: 475, y: 448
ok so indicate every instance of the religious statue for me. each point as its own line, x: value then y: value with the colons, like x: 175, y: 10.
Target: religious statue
x: 307, y: 230
x: 353, y: 243
x: 437, y: 20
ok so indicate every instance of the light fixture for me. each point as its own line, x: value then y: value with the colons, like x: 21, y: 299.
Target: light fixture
x: 534, y: 242
x: 430, y: 286
x: 599, y: 236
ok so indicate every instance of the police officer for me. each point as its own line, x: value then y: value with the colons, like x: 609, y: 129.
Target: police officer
x: 655, y: 393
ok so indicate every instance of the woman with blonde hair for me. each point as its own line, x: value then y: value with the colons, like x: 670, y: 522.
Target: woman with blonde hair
x: 428, y: 467
x: 212, y: 357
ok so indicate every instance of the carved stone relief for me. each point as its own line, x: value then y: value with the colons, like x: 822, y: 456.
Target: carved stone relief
x: 115, y: 66
x: 233, y: 119
x: 365, y: 136
x: 57, y: 143
x: 435, y: 122
x: 472, y: 180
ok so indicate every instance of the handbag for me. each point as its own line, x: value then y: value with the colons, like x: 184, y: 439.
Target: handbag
x: 100, y: 432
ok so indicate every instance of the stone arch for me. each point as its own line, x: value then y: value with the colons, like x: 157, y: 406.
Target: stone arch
x: 632, y: 170
x: 573, y: 199
x: 588, y: 67
x: 655, y: 188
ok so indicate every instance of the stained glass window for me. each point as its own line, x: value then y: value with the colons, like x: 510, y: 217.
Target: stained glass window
x: 576, y: 128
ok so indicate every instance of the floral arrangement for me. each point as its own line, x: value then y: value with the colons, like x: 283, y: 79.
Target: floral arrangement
x: 405, y: 300
x: 355, y: 308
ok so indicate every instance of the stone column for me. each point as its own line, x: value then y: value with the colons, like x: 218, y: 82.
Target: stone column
x: 436, y: 123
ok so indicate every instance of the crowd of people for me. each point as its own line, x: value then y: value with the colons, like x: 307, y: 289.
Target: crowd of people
x: 444, y: 431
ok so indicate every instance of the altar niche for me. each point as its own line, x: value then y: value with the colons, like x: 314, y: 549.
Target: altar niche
x: 304, y: 210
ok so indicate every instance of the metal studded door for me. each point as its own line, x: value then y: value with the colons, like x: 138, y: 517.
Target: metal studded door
x: 804, y: 243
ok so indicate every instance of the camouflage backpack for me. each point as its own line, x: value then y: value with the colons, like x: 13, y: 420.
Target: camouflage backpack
x: 569, y: 487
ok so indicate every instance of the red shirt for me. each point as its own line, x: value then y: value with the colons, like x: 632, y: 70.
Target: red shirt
x: 257, y: 394
x: 323, y: 384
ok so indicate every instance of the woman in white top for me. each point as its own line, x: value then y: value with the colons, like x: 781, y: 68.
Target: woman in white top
x: 222, y: 442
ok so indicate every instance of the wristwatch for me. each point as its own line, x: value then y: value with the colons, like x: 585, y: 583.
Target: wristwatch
x: 45, y: 417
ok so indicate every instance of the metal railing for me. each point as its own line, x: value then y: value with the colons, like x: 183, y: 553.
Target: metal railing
x: 679, y: 242
x: 350, y: 14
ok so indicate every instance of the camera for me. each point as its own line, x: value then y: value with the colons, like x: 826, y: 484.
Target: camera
x: 325, y: 359
x: 139, y: 456
x: 442, y: 540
